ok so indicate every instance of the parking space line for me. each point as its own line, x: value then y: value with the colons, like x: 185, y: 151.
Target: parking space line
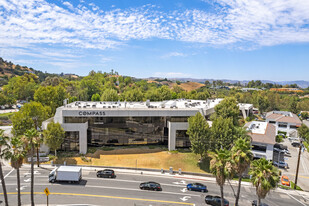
x: 104, y: 196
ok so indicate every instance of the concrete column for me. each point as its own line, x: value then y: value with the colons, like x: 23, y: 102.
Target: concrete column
x: 81, y: 128
x: 171, y: 137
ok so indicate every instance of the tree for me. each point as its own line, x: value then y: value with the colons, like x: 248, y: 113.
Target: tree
x: 133, y: 95
x: 30, y: 116
x: 4, y: 147
x: 241, y: 156
x: 54, y: 136
x: 95, y: 97
x: 303, y: 132
x: 223, y: 133
x: 17, y: 156
x: 264, y: 177
x: 30, y: 135
x: 221, y: 167
x: 50, y: 96
x: 110, y: 95
x: 228, y: 108
x: 199, y: 134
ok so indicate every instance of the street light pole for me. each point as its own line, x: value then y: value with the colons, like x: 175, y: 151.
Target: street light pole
x: 297, y: 168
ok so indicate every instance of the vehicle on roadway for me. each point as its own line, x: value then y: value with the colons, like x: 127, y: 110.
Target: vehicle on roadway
x: 285, y: 180
x: 295, y: 144
x: 66, y: 174
x: 281, y: 164
x: 197, y: 187
x: 150, y: 186
x: 106, y: 173
x: 215, y: 200
x: 254, y: 203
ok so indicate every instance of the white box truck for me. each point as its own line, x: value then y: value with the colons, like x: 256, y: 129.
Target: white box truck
x: 69, y: 174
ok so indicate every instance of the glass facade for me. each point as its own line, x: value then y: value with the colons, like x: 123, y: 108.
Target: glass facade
x: 126, y: 130
x: 182, y: 139
x: 71, y: 141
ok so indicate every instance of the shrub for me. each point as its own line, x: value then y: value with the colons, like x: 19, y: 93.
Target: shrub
x: 279, y: 138
x: 85, y: 159
x: 51, y: 157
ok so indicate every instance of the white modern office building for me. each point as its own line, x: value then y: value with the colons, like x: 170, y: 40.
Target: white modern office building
x: 284, y: 121
x: 263, y: 139
x: 125, y: 123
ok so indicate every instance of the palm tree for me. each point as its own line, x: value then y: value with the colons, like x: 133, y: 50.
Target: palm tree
x: 241, y: 156
x: 221, y: 167
x: 264, y: 177
x: 17, y: 156
x: 30, y: 135
x: 4, y: 147
x: 37, y: 140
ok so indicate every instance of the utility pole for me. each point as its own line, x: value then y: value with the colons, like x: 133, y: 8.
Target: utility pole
x: 297, y: 168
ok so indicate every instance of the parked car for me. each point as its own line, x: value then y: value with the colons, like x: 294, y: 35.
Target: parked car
x: 197, y: 187
x: 215, y: 200
x: 150, y: 186
x: 254, y: 203
x: 285, y: 180
x: 295, y: 144
x: 106, y: 173
x: 281, y: 164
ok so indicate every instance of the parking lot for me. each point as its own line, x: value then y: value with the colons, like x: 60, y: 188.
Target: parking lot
x: 303, y: 176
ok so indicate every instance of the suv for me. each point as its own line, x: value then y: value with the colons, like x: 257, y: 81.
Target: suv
x: 150, y: 186
x: 281, y: 164
x: 215, y: 200
x: 106, y: 173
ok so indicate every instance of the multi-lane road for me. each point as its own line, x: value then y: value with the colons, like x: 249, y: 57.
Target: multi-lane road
x: 124, y: 190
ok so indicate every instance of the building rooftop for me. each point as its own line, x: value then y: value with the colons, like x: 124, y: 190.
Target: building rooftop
x: 169, y: 104
x: 262, y: 132
x: 283, y: 116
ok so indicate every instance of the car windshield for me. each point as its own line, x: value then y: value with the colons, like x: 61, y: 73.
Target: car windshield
x: 285, y: 179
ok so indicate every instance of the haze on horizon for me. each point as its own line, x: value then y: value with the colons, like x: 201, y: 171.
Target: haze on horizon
x: 211, y: 39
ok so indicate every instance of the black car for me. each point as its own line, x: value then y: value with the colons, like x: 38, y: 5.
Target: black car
x: 254, y: 203
x: 150, y: 186
x: 106, y: 173
x: 215, y: 200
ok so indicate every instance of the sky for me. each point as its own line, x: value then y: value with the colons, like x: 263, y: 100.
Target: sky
x: 213, y: 39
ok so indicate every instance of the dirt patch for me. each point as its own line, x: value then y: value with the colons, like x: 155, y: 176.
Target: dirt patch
x: 189, y: 86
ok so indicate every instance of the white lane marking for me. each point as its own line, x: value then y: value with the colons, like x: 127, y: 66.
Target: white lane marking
x: 7, y: 174
x: 121, y: 180
x: 185, y: 198
x: 120, y: 188
x: 184, y: 190
x: 28, y: 180
x: 296, y: 199
x: 182, y: 182
x: 22, y: 187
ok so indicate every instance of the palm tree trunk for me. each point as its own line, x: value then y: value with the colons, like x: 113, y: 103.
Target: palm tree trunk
x: 18, y: 187
x: 3, y: 185
x: 55, y: 153
x: 222, y: 198
x: 238, y: 190
x: 32, y: 174
x: 37, y: 156
x: 259, y: 201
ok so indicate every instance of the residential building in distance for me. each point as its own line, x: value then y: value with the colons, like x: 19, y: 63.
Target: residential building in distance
x: 284, y: 121
x: 125, y: 123
x: 263, y: 139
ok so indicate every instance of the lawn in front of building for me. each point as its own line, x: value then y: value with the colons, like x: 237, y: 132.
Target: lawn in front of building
x: 141, y: 157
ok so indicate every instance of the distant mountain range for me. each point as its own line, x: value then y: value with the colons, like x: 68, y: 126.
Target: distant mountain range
x: 300, y: 83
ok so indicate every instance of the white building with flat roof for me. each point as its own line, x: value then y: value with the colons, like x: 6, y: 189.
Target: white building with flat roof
x: 125, y: 123
x: 263, y: 139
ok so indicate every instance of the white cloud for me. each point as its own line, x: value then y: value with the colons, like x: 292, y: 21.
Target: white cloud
x: 174, y: 54
x: 171, y: 75
x: 233, y: 23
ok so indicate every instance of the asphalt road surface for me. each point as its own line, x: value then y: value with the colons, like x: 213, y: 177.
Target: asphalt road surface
x: 124, y: 190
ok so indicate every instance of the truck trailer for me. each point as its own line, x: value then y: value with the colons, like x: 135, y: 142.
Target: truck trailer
x: 69, y: 174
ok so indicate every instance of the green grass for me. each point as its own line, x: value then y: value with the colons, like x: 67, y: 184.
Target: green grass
x: 306, y: 145
x: 297, y: 187
x: 7, y: 114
